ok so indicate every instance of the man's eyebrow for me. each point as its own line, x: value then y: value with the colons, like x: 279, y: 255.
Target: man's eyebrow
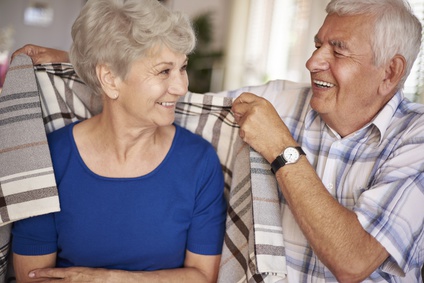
x: 316, y: 39
x: 338, y: 44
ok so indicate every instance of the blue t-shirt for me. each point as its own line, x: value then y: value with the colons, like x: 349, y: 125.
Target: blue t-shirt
x: 143, y: 223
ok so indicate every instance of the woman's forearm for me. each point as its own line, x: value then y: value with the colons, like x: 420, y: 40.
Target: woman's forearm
x: 84, y: 274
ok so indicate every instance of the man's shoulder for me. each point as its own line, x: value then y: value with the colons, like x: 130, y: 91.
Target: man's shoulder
x: 412, y: 108
x: 408, y: 121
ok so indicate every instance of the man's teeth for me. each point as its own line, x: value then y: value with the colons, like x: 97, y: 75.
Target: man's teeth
x: 167, y: 103
x: 323, y: 84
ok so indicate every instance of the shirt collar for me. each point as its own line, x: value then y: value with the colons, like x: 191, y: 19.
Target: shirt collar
x: 381, y: 121
x: 384, y: 117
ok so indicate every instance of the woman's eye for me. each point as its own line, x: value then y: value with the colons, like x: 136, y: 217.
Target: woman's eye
x: 165, y: 72
x: 184, y: 68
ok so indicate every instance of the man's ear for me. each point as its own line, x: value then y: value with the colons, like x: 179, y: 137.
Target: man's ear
x: 107, y: 80
x: 395, y: 70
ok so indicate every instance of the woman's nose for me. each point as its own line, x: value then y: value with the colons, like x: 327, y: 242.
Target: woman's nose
x: 179, y: 85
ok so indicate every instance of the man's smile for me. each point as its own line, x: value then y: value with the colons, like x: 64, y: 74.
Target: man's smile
x: 323, y: 84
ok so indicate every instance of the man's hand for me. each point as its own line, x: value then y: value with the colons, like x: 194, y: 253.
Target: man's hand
x: 261, y: 126
x: 40, y: 55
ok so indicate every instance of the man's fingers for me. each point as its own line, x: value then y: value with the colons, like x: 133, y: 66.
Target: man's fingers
x: 34, y: 51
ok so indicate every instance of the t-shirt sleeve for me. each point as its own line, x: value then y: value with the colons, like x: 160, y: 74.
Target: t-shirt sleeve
x: 206, y: 233
x: 34, y: 236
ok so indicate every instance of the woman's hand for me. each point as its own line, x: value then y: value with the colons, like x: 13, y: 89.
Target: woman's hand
x: 40, y: 54
x: 71, y: 274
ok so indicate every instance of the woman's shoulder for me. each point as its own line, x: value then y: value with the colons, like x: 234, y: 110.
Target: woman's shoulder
x: 189, y: 138
x: 195, y: 147
x: 60, y: 140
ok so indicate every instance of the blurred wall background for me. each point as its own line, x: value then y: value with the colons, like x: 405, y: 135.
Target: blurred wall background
x: 55, y: 34
x: 241, y: 42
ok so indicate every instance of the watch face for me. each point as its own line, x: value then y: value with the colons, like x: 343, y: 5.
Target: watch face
x: 291, y: 154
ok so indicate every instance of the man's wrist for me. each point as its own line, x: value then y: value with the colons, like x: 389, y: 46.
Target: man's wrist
x: 290, y: 155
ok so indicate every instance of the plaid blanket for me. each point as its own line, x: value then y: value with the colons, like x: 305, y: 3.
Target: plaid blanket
x: 253, y: 245
x: 27, y: 184
x: 253, y: 248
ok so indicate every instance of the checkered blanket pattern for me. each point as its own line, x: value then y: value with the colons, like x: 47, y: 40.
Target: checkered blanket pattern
x: 253, y: 248
x: 27, y: 184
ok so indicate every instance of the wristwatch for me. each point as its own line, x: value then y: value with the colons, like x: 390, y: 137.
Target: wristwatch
x: 289, y: 155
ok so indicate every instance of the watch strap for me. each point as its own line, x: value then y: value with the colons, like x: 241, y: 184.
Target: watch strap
x: 280, y: 161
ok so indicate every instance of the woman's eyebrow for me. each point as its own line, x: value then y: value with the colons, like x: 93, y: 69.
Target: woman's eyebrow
x: 170, y: 63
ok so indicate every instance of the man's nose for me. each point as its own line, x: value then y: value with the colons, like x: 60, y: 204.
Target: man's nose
x: 319, y: 60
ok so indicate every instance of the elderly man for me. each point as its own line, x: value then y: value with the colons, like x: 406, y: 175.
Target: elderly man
x: 349, y: 155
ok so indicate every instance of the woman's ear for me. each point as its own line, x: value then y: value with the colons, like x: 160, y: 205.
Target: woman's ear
x: 394, y: 73
x: 107, y: 80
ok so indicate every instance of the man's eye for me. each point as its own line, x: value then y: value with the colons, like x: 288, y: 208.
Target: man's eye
x: 184, y: 68
x: 165, y: 72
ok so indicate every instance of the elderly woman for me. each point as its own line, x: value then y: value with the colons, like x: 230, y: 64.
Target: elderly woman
x: 141, y: 198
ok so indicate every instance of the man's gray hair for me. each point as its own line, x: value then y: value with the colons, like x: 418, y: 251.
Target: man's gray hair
x: 396, y: 29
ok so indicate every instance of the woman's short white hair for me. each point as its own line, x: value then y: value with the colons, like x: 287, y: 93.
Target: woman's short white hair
x: 396, y: 29
x: 117, y: 32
